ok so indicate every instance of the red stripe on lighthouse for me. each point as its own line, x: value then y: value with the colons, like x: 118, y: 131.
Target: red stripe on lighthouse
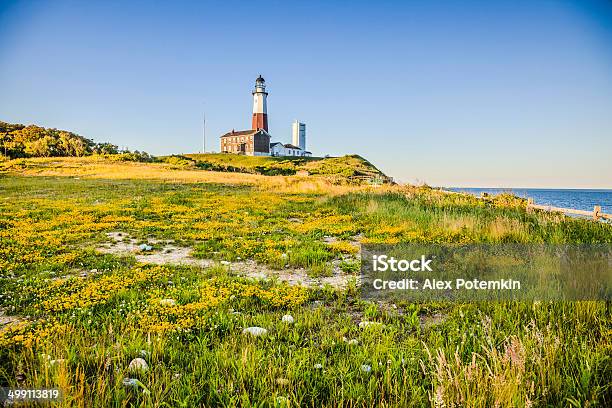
x: 260, y: 121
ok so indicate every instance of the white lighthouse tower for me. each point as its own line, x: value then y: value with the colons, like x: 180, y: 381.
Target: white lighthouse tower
x: 260, y: 109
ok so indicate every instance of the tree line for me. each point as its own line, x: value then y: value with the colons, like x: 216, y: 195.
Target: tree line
x: 18, y: 141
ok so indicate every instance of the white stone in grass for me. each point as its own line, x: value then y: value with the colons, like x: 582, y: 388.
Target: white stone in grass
x: 366, y: 368
x: 255, y: 331
x: 225, y: 262
x: 145, y: 247
x: 130, y: 382
x: 318, y: 366
x: 288, y: 319
x: 364, y: 324
x: 167, y: 302
x: 138, y: 365
x: 353, y: 342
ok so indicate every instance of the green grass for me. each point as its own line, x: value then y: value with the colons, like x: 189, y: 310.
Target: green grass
x: 424, y: 354
x: 342, y: 167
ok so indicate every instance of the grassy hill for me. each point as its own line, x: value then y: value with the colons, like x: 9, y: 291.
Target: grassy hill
x: 352, y: 167
x: 19, y: 142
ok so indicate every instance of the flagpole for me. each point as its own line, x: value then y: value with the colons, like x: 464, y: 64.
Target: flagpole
x: 204, y: 134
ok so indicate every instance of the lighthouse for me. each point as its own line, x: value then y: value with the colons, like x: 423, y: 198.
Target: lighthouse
x: 256, y: 141
x: 260, y: 109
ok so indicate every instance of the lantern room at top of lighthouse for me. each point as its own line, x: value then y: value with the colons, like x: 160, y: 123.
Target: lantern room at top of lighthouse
x: 260, y: 85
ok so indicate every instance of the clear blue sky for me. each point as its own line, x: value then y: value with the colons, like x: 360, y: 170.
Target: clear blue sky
x: 483, y: 93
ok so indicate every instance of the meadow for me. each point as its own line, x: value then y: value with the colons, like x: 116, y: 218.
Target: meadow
x: 75, y: 318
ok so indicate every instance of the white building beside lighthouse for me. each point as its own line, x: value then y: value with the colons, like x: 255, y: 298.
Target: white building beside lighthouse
x: 298, y: 134
x: 297, y: 148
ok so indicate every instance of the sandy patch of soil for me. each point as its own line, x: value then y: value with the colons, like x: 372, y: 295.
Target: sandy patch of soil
x: 166, y: 253
x: 6, y: 321
x: 328, y: 240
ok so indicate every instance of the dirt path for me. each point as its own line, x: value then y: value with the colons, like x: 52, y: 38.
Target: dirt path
x: 6, y: 321
x: 166, y: 253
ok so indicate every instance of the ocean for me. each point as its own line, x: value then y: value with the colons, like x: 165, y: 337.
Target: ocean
x: 567, y: 198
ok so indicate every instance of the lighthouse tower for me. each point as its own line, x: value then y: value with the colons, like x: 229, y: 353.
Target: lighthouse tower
x: 260, y: 109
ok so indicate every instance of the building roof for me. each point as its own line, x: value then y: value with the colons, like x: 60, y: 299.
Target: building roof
x: 260, y: 79
x: 243, y: 132
x: 290, y: 146
x: 275, y: 143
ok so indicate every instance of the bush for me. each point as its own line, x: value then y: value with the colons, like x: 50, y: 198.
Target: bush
x: 179, y: 161
x: 135, y: 156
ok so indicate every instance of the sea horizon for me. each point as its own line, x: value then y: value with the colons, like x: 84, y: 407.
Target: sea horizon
x: 576, y: 198
x: 531, y: 188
